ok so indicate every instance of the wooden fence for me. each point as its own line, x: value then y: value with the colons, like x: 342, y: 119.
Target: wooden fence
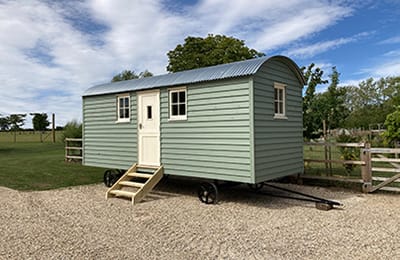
x: 378, y: 169
x: 73, y: 149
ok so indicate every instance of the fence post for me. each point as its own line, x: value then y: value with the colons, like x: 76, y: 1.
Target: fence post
x: 366, y: 172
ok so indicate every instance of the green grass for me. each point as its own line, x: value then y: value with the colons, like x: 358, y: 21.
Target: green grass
x: 338, y: 169
x: 41, y: 166
x: 28, y: 136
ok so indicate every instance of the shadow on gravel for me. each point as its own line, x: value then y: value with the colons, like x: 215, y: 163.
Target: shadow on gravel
x: 241, y: 194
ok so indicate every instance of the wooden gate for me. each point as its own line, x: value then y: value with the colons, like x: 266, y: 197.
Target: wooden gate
x: 381, y: 161
x: 380, y: 167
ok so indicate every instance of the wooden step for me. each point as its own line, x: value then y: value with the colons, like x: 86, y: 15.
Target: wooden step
x: 122, y: 193
x: 140, y: 175
x: 132, y: 184
x: 152, y: 174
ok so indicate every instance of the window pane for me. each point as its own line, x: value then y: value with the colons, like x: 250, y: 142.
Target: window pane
x: 149, y: 112
x: 126, y: 110
x: 276, y: 108
x: 174, y: 96
x: 121, y: 113
x: 276, y: 94
x: 126, y: 102
x: 280, y: 107
x: 121, y: 102
x: 182, y: 109
x: 174, y: 110
x: 182, y: 97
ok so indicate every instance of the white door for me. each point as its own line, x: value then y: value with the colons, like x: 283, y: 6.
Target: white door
x: 149, y: 128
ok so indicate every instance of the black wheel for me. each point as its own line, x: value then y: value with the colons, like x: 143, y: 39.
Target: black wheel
x: 208, y: 193
x: 110, y: 177
x: 256, y: 186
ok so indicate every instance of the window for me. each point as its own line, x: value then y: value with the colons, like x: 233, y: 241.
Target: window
x: 177, y: 104
x: 123, y: 108
x: 149, y: 113
x: 279, y: 100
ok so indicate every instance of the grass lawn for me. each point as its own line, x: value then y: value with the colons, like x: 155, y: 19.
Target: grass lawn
x: 28, y: 136
x: 41, y: 166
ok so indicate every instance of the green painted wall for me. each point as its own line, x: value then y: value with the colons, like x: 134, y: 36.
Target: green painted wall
x: 107, y: 143
x: 214, y: 141
x: 278, y: 143
x: 230, y: 132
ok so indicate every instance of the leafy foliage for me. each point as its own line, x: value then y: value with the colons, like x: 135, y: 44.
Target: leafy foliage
x: 348, y: 153
x: 392, y: 124
x: 371, y: 101
x: 40, y: 121
x: 199, y: 52
x: 333, y: 107
x: 311, y: 106
x: 16, y: 121
x: 130, y: 74
x: 72, y: 129
x: 4, y: 123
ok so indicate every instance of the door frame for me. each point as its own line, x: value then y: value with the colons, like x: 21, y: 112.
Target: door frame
x: 139, y: 118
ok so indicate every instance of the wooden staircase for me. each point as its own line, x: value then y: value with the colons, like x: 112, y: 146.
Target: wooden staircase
x: 136, y: 183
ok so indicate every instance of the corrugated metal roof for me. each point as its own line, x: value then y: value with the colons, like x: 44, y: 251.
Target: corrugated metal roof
x: 224, y: 71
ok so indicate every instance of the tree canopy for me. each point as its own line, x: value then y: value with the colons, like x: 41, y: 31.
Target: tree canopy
x: 392, y: 124
x: 311, y: 106
x: 371, y: 101
x: 40, y: 121
x: 197, y: 52
x: 16, y: 121
x: 4, y: 123
x: 130, y: 74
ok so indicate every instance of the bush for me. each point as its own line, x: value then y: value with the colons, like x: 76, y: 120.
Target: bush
x: 392, y: 124
x: 348, y: 153
x: 72, y: 129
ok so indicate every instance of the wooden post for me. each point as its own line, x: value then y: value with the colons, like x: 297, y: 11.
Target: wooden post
x: 325, y: 146
x: 53, y: 129
x: 366, y: 172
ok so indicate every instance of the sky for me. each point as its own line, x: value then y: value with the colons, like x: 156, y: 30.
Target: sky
x: 52, y: 51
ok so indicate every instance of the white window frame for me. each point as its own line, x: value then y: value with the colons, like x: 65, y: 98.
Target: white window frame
x: 281, y: 99
x: 119, y: 119
x: 177, y: 117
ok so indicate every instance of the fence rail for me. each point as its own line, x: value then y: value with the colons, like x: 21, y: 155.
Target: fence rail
x: 73, y: 149
x: 372, y: 162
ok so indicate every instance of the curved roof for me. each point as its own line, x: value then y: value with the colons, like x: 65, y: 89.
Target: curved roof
x: 223, y: 71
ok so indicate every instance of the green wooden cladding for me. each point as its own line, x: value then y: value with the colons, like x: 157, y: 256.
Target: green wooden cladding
x: 107, y: 143
x: 230, y: 132
x: 214, y: 141
x: 278, y: 143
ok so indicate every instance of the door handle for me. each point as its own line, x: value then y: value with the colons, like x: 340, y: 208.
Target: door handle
x: 140, y: 126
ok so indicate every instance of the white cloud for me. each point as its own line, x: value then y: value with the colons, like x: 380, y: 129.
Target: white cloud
x: 385, y: 69
x: 132, y: 35
x: 320, y: 47
x: 392, y: 40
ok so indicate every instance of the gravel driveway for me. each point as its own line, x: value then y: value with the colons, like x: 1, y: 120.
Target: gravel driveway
x: 78, y: 223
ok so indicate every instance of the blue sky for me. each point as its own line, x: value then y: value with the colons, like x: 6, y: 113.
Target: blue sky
x: 51, y: 51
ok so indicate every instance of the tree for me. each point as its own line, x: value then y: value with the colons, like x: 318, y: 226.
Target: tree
x: 371, y: 101
x: 40, y: 123
x: 199, y: 52
x: 392, y: 124
x: 311, y: 105
x: 16, y: 122
x: 130, y: 74
x: 4, y: 123
x: 334, y: 98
